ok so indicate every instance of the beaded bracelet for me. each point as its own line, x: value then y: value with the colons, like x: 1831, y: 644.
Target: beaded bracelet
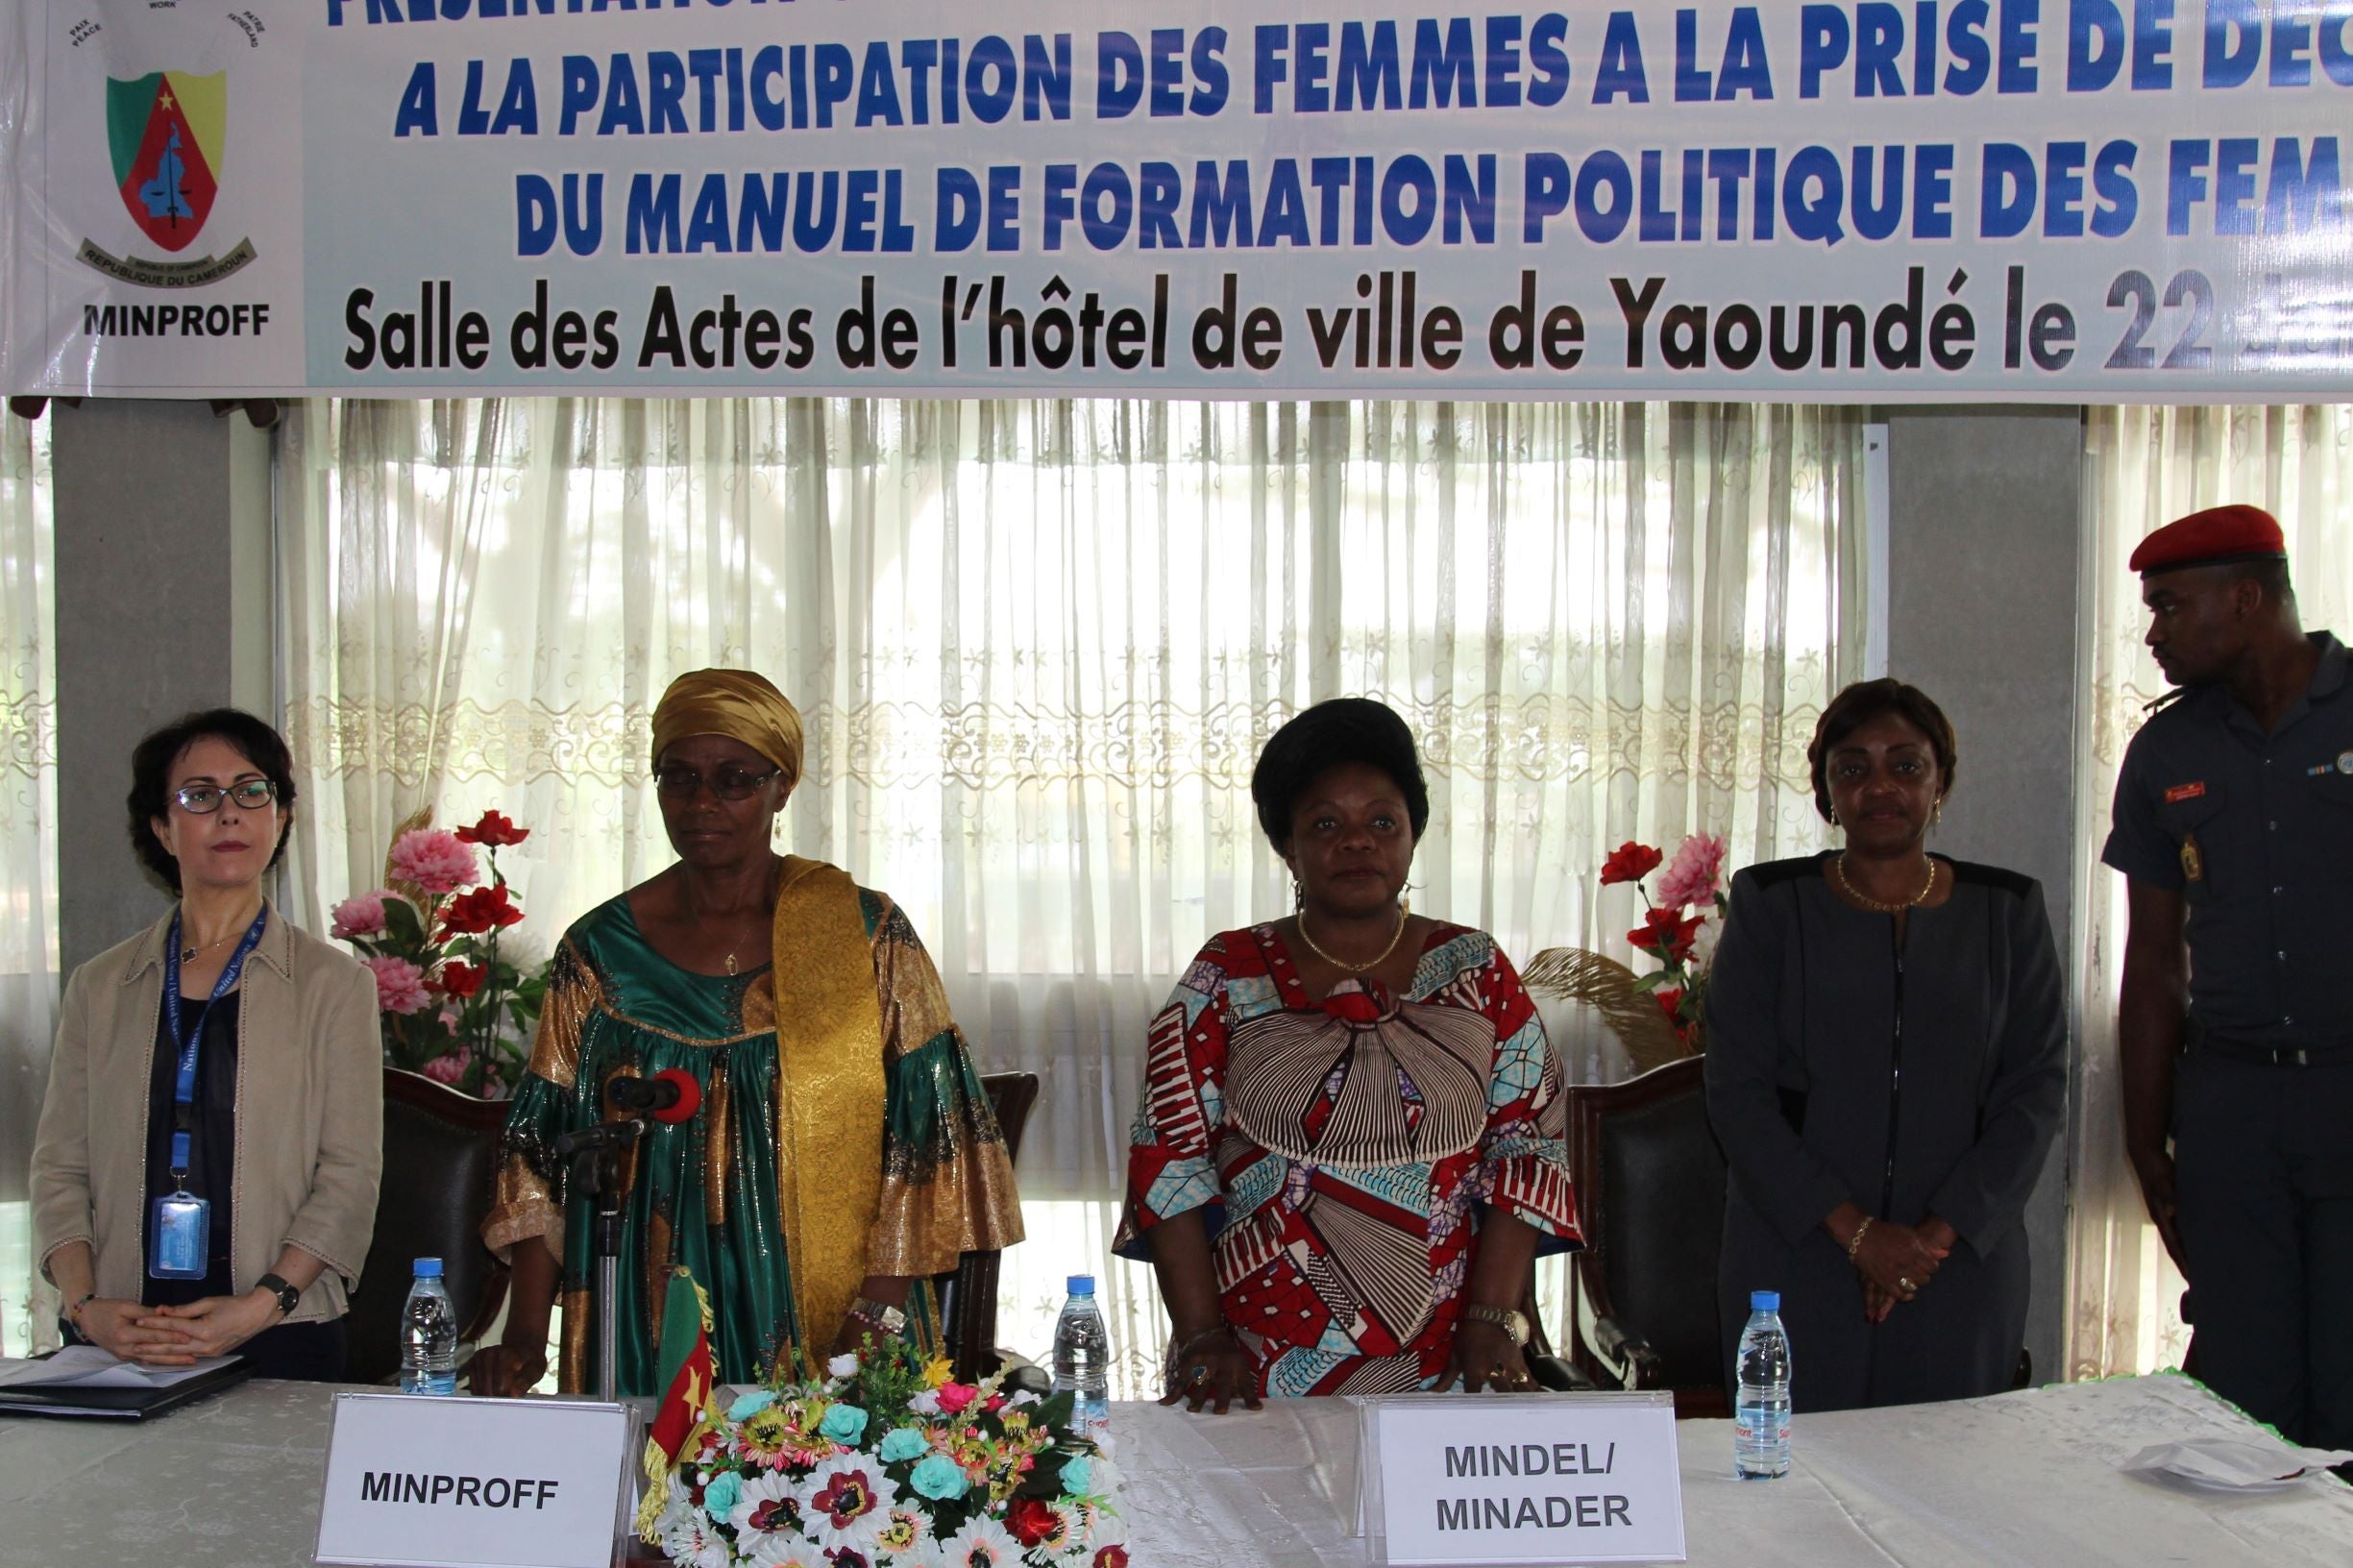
x: 1854, y: 1242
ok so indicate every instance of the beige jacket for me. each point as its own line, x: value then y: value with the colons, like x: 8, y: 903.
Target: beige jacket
x: 311, y: 1117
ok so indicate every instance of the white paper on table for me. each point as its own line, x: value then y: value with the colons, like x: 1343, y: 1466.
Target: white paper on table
x: 86, y: 1366
x: 2235, y: 1462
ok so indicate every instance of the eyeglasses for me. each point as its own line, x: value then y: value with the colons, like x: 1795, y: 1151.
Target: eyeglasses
x: 729, y: 782
x: 203, y: 799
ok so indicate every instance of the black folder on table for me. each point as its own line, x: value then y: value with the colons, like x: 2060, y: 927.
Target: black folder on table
x: 74, y: 1401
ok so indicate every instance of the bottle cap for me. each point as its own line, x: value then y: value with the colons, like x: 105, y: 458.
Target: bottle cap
x: 429, y: 1269
x: 1764, y: 1301
x: 1082, y: 1285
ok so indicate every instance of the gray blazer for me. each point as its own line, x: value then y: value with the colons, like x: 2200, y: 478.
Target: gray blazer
x: 311, y: 1120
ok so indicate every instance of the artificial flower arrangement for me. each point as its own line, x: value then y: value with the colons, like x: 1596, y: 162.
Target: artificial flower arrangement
x: 1672, y: 931
x: 454, y: 1007
x: 1659, y: 1016
x: 884, y: 1462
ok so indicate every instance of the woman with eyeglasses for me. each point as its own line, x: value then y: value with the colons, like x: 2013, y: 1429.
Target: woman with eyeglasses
x: 841, y: 1148
x: 204, y: 1180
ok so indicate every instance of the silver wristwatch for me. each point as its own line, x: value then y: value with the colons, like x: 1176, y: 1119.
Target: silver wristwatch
x: 1508, y: 1319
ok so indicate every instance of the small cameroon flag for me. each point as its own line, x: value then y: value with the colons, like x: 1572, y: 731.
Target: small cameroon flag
x: 689, y: 1378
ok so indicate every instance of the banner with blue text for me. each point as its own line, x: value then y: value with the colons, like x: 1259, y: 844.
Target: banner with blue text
x: 2083, y: 201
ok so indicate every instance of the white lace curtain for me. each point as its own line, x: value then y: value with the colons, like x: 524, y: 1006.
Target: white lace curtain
x: 28, y: 857
x: 2145, y: 467
x: 1039, y: 644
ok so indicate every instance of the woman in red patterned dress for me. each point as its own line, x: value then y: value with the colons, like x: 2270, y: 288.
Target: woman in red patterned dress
x: 1350, y: 1144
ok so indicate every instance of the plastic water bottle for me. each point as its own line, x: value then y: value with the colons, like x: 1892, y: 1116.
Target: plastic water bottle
x: 429, y: 1335
x: 1760, y: 1429
x: 1082, y: 1358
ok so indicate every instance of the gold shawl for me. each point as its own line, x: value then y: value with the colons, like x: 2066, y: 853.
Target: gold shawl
x: 829, y: 1094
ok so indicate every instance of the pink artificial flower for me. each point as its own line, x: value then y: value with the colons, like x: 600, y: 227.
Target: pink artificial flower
x: 447, y: 1069
x: 1691, y: 879
x: 362, y: 916
x: 399, y: 985
x: 431, y: 858
x: 955, y: 1396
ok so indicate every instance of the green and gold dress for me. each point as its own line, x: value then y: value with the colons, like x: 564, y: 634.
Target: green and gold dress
x: 855, y: 1139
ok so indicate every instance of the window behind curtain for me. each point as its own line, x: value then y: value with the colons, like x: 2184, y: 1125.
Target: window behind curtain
x: 1039, y: 644
x: 28, y: 861
x: 2144, y: 468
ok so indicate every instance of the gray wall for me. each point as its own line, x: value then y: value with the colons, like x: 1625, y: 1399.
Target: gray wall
x: 1984, y: 527
x: 163, y: 605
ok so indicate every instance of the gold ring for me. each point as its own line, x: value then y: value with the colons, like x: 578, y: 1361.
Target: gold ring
x: 1905, y: 1283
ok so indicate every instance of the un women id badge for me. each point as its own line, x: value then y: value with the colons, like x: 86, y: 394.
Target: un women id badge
x: 178, y: 1236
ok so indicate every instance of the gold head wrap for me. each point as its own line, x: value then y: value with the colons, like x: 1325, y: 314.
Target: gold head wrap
x: 736, y: 703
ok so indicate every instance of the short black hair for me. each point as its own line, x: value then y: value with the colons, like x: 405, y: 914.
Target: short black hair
x: 1343, y: 729
x: 151, y: 776
x: 1862, y: 702
x: 2270, y: 573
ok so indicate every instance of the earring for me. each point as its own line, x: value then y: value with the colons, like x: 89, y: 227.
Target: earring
x: 1936, y: 813
x: 1299, y: 896
x: 1833, y: 816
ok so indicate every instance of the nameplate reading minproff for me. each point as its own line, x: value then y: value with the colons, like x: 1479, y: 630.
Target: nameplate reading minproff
x: 1527, y: 1480
x: 414, y: 1482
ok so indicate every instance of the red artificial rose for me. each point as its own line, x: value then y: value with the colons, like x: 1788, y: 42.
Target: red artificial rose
x: 1112, y: 1557
x: 462, y: 979
x: 1032, y: 1520
x: 1629, y: 862
x: 494, y: 831
x: 1668, y: 1001
x: 470, y: 913
x: 1662, y: 932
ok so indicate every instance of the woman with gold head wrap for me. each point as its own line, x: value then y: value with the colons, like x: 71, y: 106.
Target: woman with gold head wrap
x: 844, y: 1148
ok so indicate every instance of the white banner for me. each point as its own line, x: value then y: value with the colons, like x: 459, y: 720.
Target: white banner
x: 2057, y: 200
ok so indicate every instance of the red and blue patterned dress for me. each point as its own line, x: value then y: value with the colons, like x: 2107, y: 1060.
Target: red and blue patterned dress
x: 1342, y: 1151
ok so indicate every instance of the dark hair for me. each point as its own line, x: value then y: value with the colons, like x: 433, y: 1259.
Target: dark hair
x: 2268, y: 573
x: 150, y: 780
x: 1343, y: 729
x: 1862, y: 702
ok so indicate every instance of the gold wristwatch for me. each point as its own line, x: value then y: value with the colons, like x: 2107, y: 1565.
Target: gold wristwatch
x: 1510, y: 1320
x: 891, y: 1320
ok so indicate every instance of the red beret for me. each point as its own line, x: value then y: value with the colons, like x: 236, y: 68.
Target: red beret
x: 2213, y: 537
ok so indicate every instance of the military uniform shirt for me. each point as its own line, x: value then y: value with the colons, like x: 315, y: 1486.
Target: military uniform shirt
x: 2255, y: 831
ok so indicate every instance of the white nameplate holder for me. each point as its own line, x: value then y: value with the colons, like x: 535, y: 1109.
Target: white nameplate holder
x: 1519, y: 1479
x: 416, y: 1482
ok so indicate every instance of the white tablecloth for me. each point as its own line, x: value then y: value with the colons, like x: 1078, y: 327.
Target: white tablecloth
x: 2020, y: 1479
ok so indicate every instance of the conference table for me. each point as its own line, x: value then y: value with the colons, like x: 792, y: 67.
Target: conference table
x: 2017, y: 1480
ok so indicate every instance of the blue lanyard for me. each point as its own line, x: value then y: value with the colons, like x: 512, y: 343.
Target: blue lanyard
x: 185, y: 1042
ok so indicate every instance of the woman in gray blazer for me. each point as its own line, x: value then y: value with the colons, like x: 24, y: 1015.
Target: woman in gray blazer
x: 1886, y: 1068
x: 204, y: 1180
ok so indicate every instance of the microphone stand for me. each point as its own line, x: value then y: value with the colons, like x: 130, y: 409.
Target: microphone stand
x: 594, y: 1172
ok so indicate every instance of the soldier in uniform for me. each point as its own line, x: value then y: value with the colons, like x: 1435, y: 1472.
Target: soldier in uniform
x: 2234, y: 826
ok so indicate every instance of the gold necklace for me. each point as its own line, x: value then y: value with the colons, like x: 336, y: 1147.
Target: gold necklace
x: 189, y: 954
x: 1405, y: 908
x: 1868, y: 902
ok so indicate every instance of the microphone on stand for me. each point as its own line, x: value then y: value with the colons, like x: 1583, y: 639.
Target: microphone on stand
x: 671, y: 1096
